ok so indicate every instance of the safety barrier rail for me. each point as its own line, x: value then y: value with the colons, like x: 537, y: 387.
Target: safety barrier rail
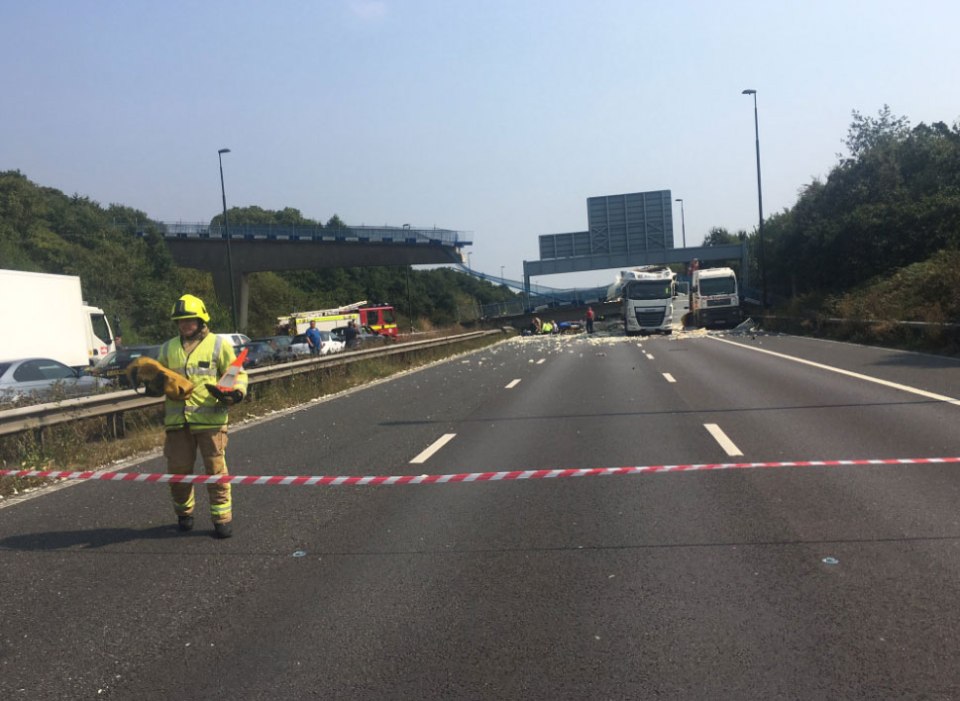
x: 114, y: 404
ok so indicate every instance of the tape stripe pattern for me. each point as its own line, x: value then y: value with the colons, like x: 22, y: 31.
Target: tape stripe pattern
x: 376, y: 480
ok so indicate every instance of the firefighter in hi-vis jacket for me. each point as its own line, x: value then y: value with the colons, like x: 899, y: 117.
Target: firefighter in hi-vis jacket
x: 199, y: 422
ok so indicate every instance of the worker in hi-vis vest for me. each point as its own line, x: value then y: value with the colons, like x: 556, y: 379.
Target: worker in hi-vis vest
x: 199, y: 422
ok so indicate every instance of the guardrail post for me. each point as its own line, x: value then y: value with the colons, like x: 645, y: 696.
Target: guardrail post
x: 116, y: 425
x: 38, y: 438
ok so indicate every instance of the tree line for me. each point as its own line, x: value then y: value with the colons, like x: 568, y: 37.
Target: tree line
x: 133, y: 277
x: 891, y: 201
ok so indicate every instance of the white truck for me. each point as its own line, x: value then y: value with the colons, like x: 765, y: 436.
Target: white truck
x: 714, y: 298
x: 647, y: 299
x: 44, y: 316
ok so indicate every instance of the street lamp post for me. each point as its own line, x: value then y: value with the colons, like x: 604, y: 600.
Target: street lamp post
x: 501, y: 274
x: 763, y: 267
x: 683, y: 222
x: 226, y: 230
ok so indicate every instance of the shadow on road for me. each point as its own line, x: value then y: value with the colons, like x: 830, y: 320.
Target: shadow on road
x: 918, y: 360
x: 92, y: 538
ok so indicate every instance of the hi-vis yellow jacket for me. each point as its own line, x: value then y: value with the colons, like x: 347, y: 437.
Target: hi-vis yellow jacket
x: 204, y: 365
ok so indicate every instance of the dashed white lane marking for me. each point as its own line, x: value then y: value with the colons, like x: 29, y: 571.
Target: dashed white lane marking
x: 649, y: 357
x: 721, y: 438
x: 437, y: 445
x: 512, y: 384
x: 540, y: 362
x: 668, y: 377
x: 848, y: 373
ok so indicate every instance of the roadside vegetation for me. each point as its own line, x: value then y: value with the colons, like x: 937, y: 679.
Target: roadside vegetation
x: 133, y: 277
x: 878, y: 239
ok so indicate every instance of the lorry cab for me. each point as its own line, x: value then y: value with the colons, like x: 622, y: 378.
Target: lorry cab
x: 100, y: 340
x: 714, y: 297
x: 647, y: 295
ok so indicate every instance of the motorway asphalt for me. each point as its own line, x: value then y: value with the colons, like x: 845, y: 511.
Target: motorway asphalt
x: 765, y: 583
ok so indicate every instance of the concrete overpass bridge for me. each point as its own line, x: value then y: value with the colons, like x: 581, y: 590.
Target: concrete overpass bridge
x: 263, y: 248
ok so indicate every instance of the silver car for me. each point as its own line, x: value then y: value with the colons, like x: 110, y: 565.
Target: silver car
x: 44, y: 378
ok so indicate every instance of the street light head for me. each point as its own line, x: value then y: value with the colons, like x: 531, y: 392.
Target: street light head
x: 679, y: 199
x: 749, y: 92
x: 224, y: 150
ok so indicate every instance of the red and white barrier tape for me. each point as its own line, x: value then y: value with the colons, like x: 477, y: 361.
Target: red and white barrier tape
x: 458, y: 477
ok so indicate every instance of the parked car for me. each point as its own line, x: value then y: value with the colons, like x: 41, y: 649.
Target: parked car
x: 280, y: 345
x: 299, y: 345
x: 366, y: 336
x: 258, y: 354
x: 235, y: 339
x: 44, y: 378
x: 113, y: 366
x: 330, y: 343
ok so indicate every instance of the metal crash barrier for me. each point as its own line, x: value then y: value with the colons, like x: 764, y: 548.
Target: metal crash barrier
x: 114, y: 404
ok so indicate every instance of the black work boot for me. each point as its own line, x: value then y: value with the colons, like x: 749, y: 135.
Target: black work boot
x: 185, y: 523
x: 223, y: 530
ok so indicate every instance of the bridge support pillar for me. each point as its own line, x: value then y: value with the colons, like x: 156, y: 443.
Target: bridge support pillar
x: 243, y: 299
x: 241, y: 293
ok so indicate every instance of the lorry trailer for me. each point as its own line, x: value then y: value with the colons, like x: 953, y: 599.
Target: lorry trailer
x: 51, y: 321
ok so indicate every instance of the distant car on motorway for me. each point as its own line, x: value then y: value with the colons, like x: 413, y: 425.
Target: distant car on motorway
x: 299, y: 345
x: 235, y: 339
x: 330, y: 343
x: 366, y: 336
x: 259, y: 354
x: 113, y: 366
x: 280, y: 345
x: 44, y: 378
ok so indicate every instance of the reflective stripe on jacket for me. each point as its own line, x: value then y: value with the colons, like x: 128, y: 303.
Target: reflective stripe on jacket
x: 205, y: 364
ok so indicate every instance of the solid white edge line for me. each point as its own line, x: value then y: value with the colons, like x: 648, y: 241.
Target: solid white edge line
x: 720, y: 437
x: 512, y: 384
x: 437, y: 445
x: 668, y: 377
x: 848, y: 373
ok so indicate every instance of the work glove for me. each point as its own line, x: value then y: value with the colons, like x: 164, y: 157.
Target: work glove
x: 154, y: 386
x: 231, y: 397
x: 157, y: 381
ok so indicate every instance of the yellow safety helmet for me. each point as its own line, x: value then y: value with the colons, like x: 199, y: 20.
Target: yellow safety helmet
x: 190, y: 307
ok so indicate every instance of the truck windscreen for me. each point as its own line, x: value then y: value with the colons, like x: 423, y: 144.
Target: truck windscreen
x: 718, y: 286
x: 648, y: 289
x: 100, y: 327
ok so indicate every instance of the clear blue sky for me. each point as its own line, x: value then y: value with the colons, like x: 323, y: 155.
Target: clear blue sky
x: 494, y: 117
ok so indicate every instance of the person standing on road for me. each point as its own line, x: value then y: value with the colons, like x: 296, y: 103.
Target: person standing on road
x: 313, y: 339
x: 350, y: 335
x: 590, y: 316
x: 200, y: 421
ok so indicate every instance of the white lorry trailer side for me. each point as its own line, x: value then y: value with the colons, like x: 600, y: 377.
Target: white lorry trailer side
x: 44, y: 316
